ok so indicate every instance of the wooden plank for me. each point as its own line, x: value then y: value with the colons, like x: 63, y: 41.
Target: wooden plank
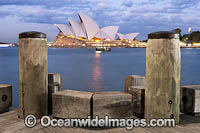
x: 9, y: 113
x: 194, y: 127
x: 139, y: 130
x: 2, y: 130
x: 117, y: 130
x: 37, y: 128
x: 153, y: 130
x: 11, y: 123
x: 178, y: 129
x: 75, y: 130
x: 54, y: 130
x: 27, y: 130
x: 143, y: 130
x: 14, y: 127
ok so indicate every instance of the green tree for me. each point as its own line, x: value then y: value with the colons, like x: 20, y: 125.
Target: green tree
x: 186, y: 37
x: 178, y: 30
x: 195, y: 36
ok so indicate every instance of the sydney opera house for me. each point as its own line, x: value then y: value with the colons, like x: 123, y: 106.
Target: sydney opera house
x: 86, y: 33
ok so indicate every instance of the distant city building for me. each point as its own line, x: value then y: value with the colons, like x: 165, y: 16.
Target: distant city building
x: 129, y: 36
x: 4, y: 45
x: 87, y: 33
x: 189, y: 29
x: 49, y: 44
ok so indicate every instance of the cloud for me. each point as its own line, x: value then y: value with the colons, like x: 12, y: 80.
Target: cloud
x: 12, y: 26
x: 127, y: 3
x: 142, y: 16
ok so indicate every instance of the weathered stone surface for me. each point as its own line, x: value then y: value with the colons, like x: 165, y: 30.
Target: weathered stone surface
x: 55, y: 78
x: 33, y: 77
x: 113, y: 104
x: 162, y: 94
x: 138, y: 98
x: 5, y: 97
x: 190, y: 99
x: 71, y: 104
x: 134, y: 80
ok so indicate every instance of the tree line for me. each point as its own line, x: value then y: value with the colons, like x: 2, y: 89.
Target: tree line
x: 193, y: 36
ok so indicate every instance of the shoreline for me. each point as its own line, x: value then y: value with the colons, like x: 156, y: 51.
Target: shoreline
x: 123, y: 47
x: 198, y: 47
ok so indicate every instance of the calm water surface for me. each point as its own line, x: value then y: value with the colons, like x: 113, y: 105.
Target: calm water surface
x: 83, y: 69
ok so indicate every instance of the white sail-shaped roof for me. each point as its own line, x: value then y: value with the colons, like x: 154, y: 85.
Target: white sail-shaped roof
x: 102, y: 35
x: 65, y: 29
x: 77, y: 28
x: 121, y: 36
x: 90, y: 26
x: 129, y: 36
x: 88, y: 29
x: 111, y: 31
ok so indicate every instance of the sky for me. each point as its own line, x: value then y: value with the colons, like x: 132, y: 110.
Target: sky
x: 143, y: 16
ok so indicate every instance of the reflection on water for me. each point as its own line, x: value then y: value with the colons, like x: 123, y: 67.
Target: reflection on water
x: 96, y: 73
x: 84, y: 70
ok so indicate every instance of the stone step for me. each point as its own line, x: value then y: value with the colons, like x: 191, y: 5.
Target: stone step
x: 80, y: 104
x: 113, y: 104
x: 71, y: 104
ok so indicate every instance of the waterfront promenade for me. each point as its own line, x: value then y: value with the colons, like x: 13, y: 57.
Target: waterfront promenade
x: 9, y: 122
x: 32, y: 102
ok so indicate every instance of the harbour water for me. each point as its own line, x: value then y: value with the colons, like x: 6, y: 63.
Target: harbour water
x: 83, y: 69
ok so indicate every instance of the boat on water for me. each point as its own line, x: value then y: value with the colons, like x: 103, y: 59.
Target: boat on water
x: 6, y: 45
x: 98, y: 52
x: 102, y: 49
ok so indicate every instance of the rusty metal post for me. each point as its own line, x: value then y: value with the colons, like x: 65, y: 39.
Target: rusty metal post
x: 162, y: 76
x: 33, y: 74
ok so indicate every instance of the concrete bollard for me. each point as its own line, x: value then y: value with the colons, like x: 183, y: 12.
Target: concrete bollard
x: 134, y: 80
x: 162, y: 94
x: 5, y: 97
x: 33, y: 74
